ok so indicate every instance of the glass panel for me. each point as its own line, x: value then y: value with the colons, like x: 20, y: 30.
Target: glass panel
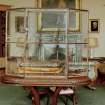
x: 16, y: 32
x: 78, y: 47
x: 32, y: 53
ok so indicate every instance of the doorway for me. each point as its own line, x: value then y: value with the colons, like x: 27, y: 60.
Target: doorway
x: 3, y: 9
x: 2, y: 33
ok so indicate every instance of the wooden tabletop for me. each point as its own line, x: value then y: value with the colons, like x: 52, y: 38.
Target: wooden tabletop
x: 73, y: 81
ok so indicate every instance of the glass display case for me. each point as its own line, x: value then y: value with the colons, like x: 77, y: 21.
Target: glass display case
x: 35, y: 53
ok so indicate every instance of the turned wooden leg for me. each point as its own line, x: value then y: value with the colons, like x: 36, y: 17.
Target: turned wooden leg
x: 35, y: 97
x: 55, y: 96
x: 74, y: 99
x: 36, y: 100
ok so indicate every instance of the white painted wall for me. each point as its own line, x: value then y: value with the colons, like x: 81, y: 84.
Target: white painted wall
x: 97, y: 11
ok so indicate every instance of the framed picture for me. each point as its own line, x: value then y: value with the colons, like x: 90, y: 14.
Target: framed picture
x: 48, y: 22
x: 94, y: 25
x: 19, y: 24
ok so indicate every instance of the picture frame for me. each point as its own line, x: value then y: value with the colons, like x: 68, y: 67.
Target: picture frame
x: 19, y: 24
x: 94, y: 26
x: 74, y: 23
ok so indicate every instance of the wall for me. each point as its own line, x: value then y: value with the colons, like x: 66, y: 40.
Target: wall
x: 96, y: 11
x: 18, y: 3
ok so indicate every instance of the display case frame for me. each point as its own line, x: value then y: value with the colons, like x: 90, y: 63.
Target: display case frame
x: 67, y: 63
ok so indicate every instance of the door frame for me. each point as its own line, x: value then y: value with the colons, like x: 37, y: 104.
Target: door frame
x: 4, y: 7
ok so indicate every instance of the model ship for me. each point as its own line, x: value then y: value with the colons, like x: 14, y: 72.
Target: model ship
x: 40, y: 68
